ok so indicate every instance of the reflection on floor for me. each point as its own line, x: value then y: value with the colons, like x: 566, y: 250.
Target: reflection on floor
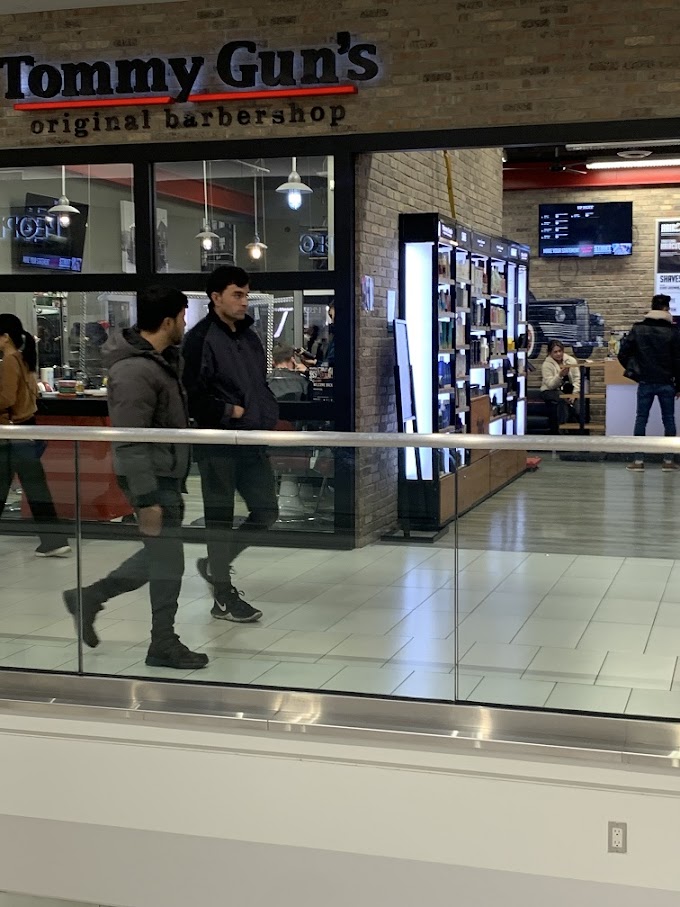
x: 569, y: 631
x: 579, y: 508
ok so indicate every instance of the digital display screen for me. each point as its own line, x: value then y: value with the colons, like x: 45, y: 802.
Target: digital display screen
x: 585, y: 230
x: 41, y: 241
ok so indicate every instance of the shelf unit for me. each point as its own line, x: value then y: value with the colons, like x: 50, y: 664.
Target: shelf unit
x: 463, y: 295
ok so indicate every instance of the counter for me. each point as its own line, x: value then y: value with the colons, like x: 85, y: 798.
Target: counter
x: 621, y: 395
x: 100, y: 496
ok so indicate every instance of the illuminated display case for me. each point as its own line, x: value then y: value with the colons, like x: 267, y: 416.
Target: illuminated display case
x: 463, y: 296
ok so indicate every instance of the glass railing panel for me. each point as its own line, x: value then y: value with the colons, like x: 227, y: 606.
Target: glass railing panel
x: 37, y: 555
x: 251, y: 601
x: 547, y: 589
x: 568, y: 589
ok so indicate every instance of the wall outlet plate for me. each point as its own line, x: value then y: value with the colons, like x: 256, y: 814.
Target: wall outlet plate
x: 617, y: 837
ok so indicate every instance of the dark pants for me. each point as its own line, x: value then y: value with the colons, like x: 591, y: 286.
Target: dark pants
x: 555, y: 409
x: 160, y: 563
x: 20, y: 458
x: 646, y: 393
x: 558, y: 410
x: 248, y: 471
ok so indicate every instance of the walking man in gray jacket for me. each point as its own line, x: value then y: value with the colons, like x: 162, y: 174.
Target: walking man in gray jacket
x: 145, y: 390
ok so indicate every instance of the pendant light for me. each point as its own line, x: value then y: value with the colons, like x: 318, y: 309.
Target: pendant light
x: 256, y: 247
x: 206, y: 235
x: 294, y: 188
x: 63, y: 209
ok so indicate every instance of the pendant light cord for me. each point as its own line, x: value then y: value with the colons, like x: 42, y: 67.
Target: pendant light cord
x: 205, y: 191
x: 257, y: 234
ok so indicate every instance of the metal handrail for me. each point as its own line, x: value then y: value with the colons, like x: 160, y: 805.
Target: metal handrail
x: 375, y: 440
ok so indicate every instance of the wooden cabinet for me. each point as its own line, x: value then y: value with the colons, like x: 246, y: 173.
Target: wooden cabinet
x: 473, y: 484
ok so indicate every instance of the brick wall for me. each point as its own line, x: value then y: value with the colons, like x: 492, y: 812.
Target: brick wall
x: 465, y: 63
x: 387, y: 185
x: 620, y: 289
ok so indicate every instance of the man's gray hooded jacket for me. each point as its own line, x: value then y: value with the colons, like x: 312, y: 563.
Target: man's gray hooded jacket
x: 145, y: 390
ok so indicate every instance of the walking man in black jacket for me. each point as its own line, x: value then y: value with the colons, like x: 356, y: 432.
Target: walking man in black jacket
x: 145, y: 390
x: 226, y: 380
x: 650, y: 353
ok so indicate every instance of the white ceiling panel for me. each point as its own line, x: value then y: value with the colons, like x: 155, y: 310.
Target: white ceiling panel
x: 39, y: 6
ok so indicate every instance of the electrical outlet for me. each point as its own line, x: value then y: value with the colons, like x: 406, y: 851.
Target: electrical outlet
x: 618, y: 837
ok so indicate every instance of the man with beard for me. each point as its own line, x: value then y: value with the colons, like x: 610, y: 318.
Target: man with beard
x: 145, y: 390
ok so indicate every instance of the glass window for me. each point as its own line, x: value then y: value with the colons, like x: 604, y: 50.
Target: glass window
x: 273, y: 214
x: 73, y: 219
x: 301, y: 319
x: 71, y: 328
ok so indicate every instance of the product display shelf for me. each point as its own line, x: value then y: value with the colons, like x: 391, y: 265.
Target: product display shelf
x: 467, y: 361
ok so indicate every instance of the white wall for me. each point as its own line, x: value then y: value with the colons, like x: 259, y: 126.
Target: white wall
x: 124, y: 815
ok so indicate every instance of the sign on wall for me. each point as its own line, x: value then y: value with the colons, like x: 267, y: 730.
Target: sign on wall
x: 243, y: 69
x: 667, y: 262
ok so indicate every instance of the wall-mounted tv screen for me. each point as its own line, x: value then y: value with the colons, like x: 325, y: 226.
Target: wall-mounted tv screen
x: 40, y: 241
x: 585, y: 230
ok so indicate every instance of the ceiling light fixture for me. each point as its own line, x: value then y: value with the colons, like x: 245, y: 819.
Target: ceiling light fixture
x: 635, y: 154
x: 617, y: 163
x: 63, y: 209
x: 294, y: 188
x: 256, y: 247
x: 206, y: 235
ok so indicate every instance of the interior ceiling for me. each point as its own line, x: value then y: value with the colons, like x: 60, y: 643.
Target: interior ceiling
x: 558, y: 155
x: 39, y: 6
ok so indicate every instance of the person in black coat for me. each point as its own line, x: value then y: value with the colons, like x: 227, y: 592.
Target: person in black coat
x: 225, y: 375
x: 650, y: 355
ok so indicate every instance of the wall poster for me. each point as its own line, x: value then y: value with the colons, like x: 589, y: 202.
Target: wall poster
x: 667, y: 262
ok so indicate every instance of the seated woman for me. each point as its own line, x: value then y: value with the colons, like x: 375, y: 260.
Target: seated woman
x: 561, y: 375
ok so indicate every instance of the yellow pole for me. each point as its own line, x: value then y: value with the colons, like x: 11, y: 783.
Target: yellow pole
x: 449, y: 184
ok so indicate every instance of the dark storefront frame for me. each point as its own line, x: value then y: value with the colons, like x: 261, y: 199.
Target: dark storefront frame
x: 339, y: 281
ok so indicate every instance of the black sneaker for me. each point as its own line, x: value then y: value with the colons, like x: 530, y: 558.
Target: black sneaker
x: 90, y: 611
x: 233, y: 607
x: 203, y: 567
x: 175, y: 655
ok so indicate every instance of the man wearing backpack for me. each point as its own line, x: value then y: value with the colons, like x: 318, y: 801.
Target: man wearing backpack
x: 650, y: 355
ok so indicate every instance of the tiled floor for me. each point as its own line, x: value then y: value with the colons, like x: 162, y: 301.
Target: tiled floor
x: 576, y: 632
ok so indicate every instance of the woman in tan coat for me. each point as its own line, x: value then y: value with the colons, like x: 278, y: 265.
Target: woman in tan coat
x: 18, y: 406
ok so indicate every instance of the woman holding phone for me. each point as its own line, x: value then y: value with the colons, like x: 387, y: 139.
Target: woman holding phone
x: 561, y: 378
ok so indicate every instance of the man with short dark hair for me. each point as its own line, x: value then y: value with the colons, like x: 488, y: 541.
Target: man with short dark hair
x: 288, y: 380
x: 226, y: 381
x: 650, y: 354
x: 145, y: 390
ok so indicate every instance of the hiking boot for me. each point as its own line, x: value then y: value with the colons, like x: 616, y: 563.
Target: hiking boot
x: 51, y: 551
x: 669, y: 466
x: 203, y: 567
x: 175, y: 654
x: 636, y: 466
x: 90, y: 610
x: 232, y: 606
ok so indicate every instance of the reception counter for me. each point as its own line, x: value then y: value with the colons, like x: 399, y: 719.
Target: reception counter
x: 621, y: 394
x: 100, y: 496
x: 101, y: 499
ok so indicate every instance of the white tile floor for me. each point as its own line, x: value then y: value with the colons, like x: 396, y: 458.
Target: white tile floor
x: 571, y: 632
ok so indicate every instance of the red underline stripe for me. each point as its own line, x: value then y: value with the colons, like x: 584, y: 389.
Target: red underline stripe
x: 102, y: 102
x: 262, y: 95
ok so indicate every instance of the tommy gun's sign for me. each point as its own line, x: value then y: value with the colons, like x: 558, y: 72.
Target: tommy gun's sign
x: 246, y: 71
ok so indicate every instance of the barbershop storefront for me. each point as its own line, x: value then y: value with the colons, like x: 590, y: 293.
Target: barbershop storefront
x: 182, y: 136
